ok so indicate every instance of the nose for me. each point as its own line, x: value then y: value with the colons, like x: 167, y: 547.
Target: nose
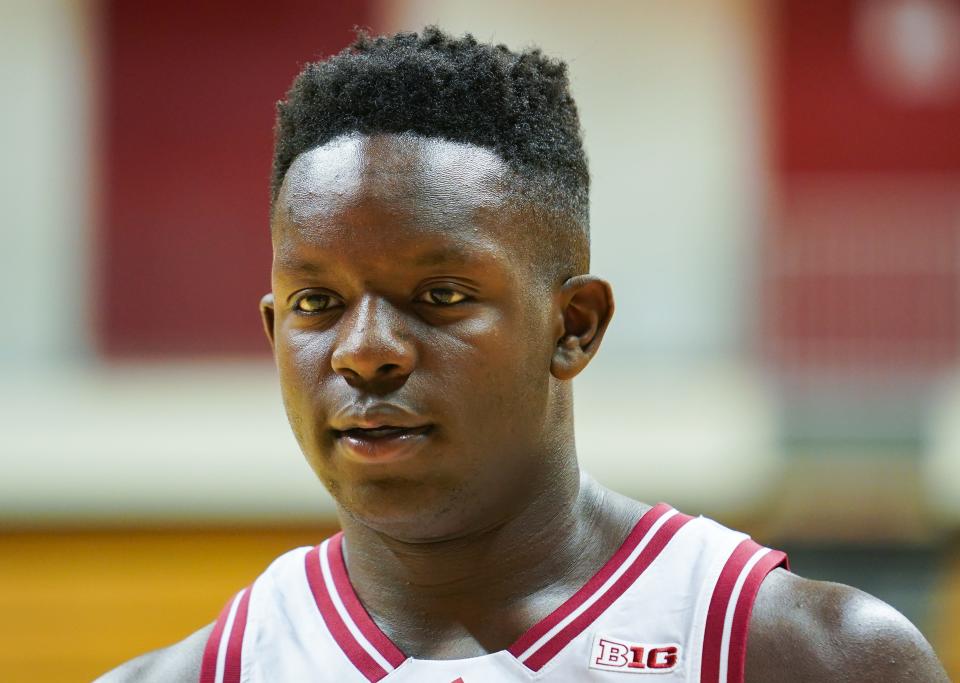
x: 370, y: 350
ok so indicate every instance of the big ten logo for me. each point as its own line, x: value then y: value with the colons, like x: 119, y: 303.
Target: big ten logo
x: 611, y: 654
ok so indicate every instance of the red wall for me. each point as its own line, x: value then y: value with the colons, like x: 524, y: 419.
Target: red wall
x: 190, y: 89
x: 862, y: 257
x: 832, y: 116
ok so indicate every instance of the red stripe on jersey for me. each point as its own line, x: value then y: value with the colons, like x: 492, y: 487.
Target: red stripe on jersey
x: 537, y: 631
x: 741, y: 616
x: 354, y: 651
x: 356, y: 610
x: 720, y: 604
x: 233, y: 660
x: 717, y: 611
x: 539, y: 658
x: 208, y: 665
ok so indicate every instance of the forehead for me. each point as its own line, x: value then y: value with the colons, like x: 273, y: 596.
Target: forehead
x: 424, y: 183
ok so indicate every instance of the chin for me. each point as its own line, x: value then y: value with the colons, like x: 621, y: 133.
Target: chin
x: 407, y: 510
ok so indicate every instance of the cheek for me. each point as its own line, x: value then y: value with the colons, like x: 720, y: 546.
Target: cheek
x: 495, y: 368
x: 301, y: 357
x: 302, y: 350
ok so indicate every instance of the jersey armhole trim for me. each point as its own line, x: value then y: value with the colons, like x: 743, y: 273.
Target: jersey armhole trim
x: 223, y: 653
x: 740, y: 628
x: 728, y: 616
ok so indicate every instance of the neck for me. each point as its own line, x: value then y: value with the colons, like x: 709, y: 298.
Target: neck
x: 514, y: 572
x: 476, y: 560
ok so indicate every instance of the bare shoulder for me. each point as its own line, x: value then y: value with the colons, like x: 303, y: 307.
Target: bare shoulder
x: 803, y: 630
x: 179, y: 663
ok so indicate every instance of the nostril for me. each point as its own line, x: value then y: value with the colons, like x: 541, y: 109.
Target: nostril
x: 386, y: 378
x: 352, y: 377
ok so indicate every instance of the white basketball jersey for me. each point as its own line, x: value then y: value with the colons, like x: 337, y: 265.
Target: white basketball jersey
x: 673, y: 602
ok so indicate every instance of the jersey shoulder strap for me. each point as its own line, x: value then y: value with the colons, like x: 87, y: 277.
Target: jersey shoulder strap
x: 223, y: 654
x: 733, y: 594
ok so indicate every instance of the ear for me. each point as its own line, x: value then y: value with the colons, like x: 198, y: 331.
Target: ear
x: 586, y: 303
x: 266, y: 314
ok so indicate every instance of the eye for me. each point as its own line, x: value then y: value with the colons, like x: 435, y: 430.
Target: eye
x: 314, y: 303
x: 442, y: 296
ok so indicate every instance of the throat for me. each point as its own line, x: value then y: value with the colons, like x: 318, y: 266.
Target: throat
x: 471, y: 632
x: 446, y: 622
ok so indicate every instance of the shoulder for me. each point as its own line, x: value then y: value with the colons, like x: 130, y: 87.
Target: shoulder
x: 179, y: 663
x: 826, y: 631
x: 175, y: 664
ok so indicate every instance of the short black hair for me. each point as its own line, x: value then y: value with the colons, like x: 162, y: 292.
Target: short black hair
x: 517, y: 104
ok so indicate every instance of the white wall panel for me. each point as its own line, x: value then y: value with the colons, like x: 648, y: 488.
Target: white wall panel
x: 46, y: 179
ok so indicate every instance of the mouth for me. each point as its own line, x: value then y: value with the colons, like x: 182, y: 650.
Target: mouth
x: 381, y: 444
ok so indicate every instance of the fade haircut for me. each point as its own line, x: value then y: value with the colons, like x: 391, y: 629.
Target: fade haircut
x: 517, y: 104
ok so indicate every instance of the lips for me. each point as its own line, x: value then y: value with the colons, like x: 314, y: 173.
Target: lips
x: 379, y: 432
x: 384, y: 432
x: 375, y: 415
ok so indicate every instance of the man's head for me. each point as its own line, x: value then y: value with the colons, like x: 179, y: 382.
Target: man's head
x: 430, y: 299
x: 516, y: 104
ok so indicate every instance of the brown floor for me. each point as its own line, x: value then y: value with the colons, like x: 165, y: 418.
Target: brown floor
x: 946, y: 617
x: 76, y: 603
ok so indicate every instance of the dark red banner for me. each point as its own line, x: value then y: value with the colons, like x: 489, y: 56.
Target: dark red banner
x: 189, y: 94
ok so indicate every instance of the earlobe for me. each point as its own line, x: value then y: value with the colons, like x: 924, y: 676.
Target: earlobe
x: 586, y: 307
x: 568, y: 358
x: 267, y: 316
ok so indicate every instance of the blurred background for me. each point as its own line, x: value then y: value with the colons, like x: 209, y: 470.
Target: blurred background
x: 776, y: 200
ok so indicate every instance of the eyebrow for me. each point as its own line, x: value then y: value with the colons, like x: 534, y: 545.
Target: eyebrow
x: 434, y: 257
x: 299, y: 267
x: 438, y: 257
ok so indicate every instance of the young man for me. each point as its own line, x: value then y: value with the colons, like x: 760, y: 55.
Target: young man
x: 430, y: 305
